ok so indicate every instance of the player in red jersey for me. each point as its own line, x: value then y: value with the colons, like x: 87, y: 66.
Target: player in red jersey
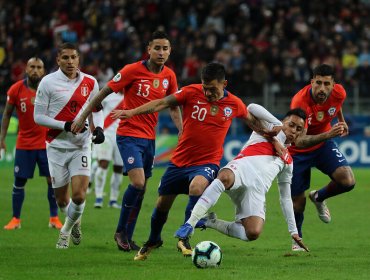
x: 322, y: 101
x: 208, y: 110
x: 30, y: 146
x: 141, y: 82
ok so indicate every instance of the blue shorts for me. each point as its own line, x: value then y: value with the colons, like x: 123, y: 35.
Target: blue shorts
x: 176, y: 180
x: 327, y: 159
x: 137, y: 153
x: 25, y: 163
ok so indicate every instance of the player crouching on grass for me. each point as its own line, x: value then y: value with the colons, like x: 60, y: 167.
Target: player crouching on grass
x: 247, y: 179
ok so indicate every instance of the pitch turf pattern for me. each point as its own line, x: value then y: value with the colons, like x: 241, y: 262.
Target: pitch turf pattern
x: 339, y: 250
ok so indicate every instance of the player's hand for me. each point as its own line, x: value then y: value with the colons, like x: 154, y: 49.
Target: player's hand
x: 345, y: 128
x: 337, y: 130
x: 78, y: 126
x: 98, y: 135
x: 298, y: 240
x: 274, y: 131
x: 68, y: 127
x: 282, y: 151
x: 122, y: 114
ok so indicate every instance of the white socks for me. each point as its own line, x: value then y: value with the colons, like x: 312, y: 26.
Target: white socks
x: 115, y: 183
x: 64, y: 209
x: 206, y: 201
x: 232, y: 229
x: 100, y: 178
x: 74, y: 214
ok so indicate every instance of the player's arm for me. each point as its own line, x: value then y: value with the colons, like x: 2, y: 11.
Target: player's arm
x: 341, y: 119
x: 7, y: 114
x: 147, y: 108
x: 262, y: 121
x: 176, y: 117
x: 95, y: 102
x: 305, y: 141
x: 286, y: 205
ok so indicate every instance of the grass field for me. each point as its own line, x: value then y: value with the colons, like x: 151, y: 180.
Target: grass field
x: 339, y: 250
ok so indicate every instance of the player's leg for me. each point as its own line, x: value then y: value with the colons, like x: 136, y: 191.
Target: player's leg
x: 94, y: 167
x: 42, y: 162
x: 24, y: 167
x: 159, y: 218
x: 100, y: 179
x: 115, y: 183
x: 333, y: 163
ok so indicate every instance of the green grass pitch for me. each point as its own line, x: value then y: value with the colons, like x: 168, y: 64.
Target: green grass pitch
x: 339, y: 250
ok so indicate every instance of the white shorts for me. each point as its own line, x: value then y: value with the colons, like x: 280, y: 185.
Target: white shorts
x: 66, y: 163
x: 108, y: 150
x: 253, y: 178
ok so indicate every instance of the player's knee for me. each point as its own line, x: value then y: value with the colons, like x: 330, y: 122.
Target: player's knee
x: 227, y: 177
x: 20, y: 182
x: 253, y: 234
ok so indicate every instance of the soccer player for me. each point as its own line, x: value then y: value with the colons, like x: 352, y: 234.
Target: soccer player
x: 107, y: 152
x: 322, y: 100
x: 30, y: 146
x: 208, y: 110
x: 61, y: 97
x: 141, y: 82
x: 247, y: 179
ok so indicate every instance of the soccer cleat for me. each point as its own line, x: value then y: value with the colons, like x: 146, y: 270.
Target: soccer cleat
x: 114, y: 204
x: 322, y: 208
x: 122, y: 241
x: 210, y: 218
x: 63, y: 241
x: 184, y: 247
x: 296, y: 247
x: 201, y: 224
x: 144, y: 251
x: 184, y: 232
x: 98, y: 203
x: 76, y: 234
x: 54, y: 222
x: 14, y: 223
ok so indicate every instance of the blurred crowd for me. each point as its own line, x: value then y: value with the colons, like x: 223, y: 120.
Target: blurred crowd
x: 270, y: 44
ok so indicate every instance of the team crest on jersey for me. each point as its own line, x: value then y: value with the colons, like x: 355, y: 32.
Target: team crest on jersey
x: 320, y: 116
x: 84, y: 90
x: 131, y: 160
x: 165, y: 83
x: 331, y: 111
x: 117, y: 78
x: 228, y: 111
x: 156, y: 83
x: 214, y: 110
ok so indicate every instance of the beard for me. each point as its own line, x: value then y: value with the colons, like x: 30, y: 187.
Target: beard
x: 33, y: 81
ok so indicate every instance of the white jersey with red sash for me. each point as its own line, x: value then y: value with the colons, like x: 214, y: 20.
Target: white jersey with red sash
x: 66, y: 99
x: 112, y: 102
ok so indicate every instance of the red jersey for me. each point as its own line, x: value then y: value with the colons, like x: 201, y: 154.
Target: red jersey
x: 31, y: 136
x: 319, y: 116
x: 141, y: 86
x: 205, y: 126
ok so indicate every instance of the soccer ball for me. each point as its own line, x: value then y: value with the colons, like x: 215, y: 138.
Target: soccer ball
x: 206, y: 254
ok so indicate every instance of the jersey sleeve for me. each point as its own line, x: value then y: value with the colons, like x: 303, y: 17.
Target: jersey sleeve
x: 180, y: 95
x: 242, y: 109
x: 42, y: 94
x: 12, y: 95
x: 122, y: 79
x: 173, y: 84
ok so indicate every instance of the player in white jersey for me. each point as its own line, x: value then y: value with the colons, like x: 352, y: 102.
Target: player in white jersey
x: 61, y: 97
x: 108, y: 151
x: 247, y: 179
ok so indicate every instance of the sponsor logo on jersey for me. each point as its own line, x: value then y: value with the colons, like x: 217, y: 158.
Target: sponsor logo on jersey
x: 84, y: 90
x: 331, y: 111
x: 117, y: 78
x: 156, y: 83
x: 228, y: 111
x: 320, y: 116
x: 131, y: 160
x: 214, y: 109
x: 165, y: 83
x: 177, y: 92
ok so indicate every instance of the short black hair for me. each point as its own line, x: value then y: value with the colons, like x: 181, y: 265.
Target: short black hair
x: 323, y: 70
x: 67, y: 46
x: 158, y: 34
x: 299, y: 112
x: 212, y: 71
